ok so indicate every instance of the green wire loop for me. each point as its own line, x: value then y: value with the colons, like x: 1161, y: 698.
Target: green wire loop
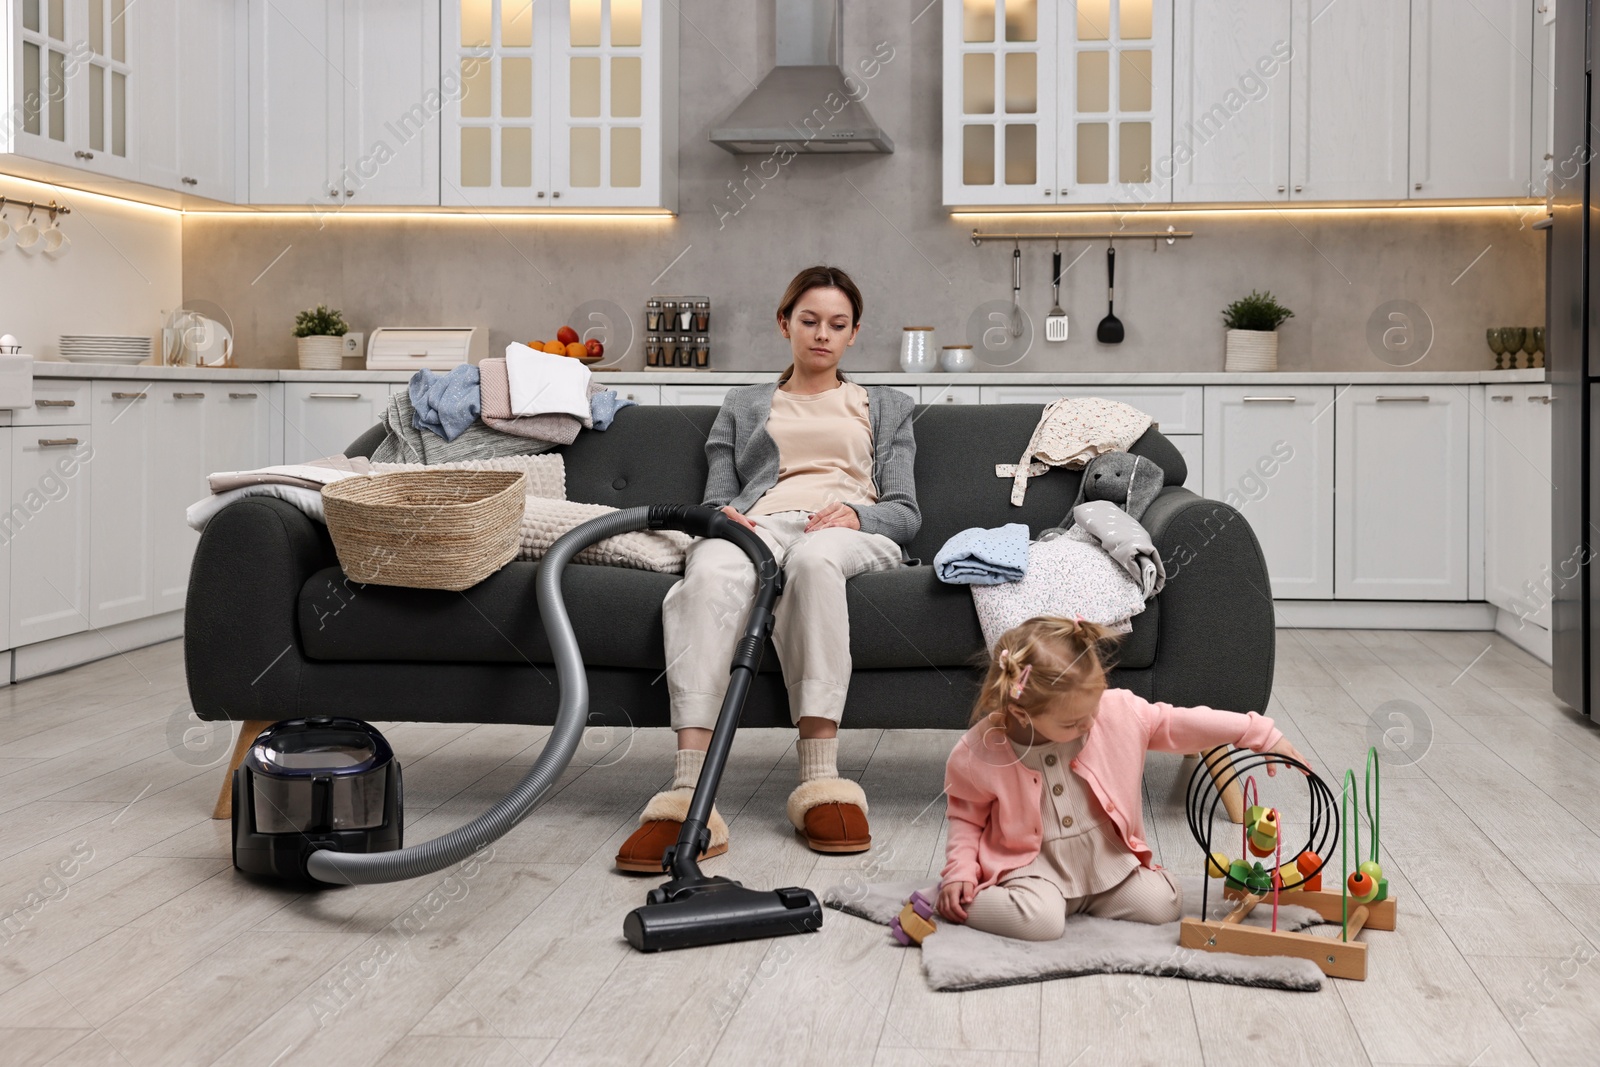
x: 1345, y: 801
x: 1374, y: 800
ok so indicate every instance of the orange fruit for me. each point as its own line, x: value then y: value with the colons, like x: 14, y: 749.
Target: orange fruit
x: 555, y: 348
x: 576, y: 350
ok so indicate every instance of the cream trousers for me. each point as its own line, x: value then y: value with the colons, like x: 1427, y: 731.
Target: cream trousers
x: 1033, y: 909
x: 704, y: 614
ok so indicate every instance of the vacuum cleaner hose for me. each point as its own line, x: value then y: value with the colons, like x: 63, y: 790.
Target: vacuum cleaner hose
x: 364, y: 868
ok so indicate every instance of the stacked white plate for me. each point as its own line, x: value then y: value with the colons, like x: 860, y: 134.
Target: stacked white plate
x: 105, y: 348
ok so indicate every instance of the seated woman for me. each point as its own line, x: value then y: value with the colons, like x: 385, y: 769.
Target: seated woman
x: 821, y: 469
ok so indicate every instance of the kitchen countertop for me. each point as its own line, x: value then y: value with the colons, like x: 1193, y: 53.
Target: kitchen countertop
x: 657, y: 377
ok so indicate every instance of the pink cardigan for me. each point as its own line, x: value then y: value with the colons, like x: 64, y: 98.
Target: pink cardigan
x: 994, y: 799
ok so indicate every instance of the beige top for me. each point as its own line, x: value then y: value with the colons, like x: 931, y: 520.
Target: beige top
x: 1082, y: 852
x: 824, y: 450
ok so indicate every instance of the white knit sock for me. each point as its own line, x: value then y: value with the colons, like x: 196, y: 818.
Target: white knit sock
x: 819, y: 758
x: 686, y: 766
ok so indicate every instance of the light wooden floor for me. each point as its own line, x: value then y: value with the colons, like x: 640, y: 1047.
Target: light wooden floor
x: 153, y: 952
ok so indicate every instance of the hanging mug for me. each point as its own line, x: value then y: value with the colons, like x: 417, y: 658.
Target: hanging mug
x: 28, y: 235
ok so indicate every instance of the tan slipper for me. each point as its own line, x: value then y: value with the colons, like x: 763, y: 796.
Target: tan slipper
x: 659, y: 826
x: 831, y: 814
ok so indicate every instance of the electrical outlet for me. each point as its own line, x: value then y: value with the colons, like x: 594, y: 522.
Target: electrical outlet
x: 352, y: 345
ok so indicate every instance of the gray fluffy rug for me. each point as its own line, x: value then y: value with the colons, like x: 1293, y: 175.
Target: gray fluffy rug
x: 957, y: 958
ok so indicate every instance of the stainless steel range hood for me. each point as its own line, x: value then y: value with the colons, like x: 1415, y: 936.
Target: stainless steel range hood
x: 805, y: 104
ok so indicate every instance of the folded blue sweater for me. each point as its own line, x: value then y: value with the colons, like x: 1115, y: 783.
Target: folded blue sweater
x: 984, y: 557
x: 446, y: 404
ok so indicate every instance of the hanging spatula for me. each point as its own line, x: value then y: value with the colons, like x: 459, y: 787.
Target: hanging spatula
x: 1016, y: 290
x: 1055, y: 323
x: 1109, y: 332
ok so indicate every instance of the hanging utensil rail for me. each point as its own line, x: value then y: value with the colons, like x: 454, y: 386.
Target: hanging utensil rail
x: 1169, y: 235
x: 52, y: 207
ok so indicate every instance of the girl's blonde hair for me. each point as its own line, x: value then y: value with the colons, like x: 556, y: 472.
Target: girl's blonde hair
x: 1039, y: 660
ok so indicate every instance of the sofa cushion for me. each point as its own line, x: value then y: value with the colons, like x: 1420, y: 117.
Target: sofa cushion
x: 901, y: 618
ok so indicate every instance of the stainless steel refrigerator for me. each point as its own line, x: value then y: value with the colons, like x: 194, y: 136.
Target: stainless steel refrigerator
x: 1572, y: 315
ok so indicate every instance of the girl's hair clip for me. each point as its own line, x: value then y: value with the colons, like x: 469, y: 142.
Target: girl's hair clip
x: 1022, y: 682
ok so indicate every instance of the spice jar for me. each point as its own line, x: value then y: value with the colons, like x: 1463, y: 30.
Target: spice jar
x: 702, y: 315
x: 702, y: 352
x: 686, y: 351
x: 652, y: 315
x: 669, y: 314
x: 652, y: 350
x: 685, y: 315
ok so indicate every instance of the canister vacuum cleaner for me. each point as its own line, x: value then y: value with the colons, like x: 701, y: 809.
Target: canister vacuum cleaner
x: 319, y: 800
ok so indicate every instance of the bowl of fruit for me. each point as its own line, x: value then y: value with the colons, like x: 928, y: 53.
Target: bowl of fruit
x: 568, y: 344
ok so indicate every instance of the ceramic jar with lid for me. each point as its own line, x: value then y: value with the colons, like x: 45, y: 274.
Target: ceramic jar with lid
x: 957, y: 359
x: 917, y: 355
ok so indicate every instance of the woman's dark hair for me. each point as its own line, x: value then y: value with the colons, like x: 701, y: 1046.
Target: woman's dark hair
x: 819, y: 277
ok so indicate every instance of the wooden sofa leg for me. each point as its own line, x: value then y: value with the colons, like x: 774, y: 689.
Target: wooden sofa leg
x: 247, y: 737
x: 1219, y: 763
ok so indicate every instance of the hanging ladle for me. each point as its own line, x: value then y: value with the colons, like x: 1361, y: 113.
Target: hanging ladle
x: 1110, y: 332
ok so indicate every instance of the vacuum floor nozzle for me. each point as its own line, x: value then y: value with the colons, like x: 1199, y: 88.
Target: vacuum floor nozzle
x: 711, y: 911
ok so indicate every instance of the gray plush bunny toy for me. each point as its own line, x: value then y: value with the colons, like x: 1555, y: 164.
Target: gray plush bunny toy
x: 1128, y: 481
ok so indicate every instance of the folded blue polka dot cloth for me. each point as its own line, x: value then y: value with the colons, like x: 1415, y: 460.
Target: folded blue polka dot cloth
x: 978, y: 556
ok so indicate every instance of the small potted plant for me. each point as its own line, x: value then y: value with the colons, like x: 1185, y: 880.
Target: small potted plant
x: 321, y: 338
x: 1252, y: 323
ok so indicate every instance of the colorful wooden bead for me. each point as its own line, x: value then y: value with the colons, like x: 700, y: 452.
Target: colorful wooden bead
x: 1238, y: 874
x: 909, y: 928
x: 1289, y: 877
x: 1259, y: 881
x: 1371, y: 870
x: 1362, y: 887
x: 1217, y: 865
x: 1308, y: 862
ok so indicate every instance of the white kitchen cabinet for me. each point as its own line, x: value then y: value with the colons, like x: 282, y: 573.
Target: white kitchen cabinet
x: 951, y: 394
x: 1471, y: 109
x: 1402, y: 472
x: 1269, y: 453
x: 564, y: 104
x: 1051, y: 104
x: 1176, y: 409
x: 7, y: 532
x: 180, y: 416
x: 121, y: 480
x: 47, y: 530
x: 1519, y: 572
x: 186, y: 95
x: 344, y: 102
x: 639, y: 394
x: 322, y: 418
x: 1230, y: 121
x: 689, y: 393
x: 1001, y: 85
x: 68, y: 94
x: 1349, y: 99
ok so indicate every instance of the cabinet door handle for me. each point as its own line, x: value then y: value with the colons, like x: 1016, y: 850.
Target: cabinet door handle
x: 57, y: 442
x: 1270, y: 399
x: 55, y: 403
x: 80, y: 154
x: 334, y: 396
x: 127, y: 396
x: 1402, y: 399
x: 191, y: 181
x: 241, y: 396
x: 1538, y: 399
x: 1503, y: 397
x: 188, y: 396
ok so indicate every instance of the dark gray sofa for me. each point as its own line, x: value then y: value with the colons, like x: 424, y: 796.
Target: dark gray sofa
x: 273, y: 630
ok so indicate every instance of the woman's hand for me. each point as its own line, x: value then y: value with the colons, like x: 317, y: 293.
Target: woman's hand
x: 1284, y: 748
x: 954, y: 898
x: 729, y: 511
x: 835, y: 514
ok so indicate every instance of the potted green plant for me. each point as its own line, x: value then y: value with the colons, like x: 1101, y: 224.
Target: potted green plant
x: 1252, y: 323
x: 321, y: 338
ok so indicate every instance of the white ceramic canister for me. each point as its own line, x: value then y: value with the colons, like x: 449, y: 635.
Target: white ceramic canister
x: 916, y: 350
x: 957, y: 359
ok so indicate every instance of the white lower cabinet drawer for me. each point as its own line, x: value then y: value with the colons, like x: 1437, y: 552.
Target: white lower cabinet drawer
x: 46, y: 529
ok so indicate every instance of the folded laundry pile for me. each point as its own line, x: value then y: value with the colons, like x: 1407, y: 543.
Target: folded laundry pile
x: 1124, y: 540
x: 1066, y: 577
x: 984, y: 557
x: 445, y: 404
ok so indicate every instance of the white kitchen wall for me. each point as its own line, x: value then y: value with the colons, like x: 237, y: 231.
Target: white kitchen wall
x: 122, y: 272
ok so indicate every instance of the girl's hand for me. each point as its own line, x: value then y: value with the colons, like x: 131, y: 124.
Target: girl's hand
x: 835, y: 514
x: 736, y: 517
x: 1284, y: 748
x: 954, y: 898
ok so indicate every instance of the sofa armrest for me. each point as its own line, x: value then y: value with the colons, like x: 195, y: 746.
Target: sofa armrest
x: 241, y: 644
x: 1217, y: 638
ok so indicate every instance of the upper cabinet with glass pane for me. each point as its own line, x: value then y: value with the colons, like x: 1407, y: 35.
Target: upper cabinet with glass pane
x: 69, y: 83
x: 565, y: 104
x: 1048, y: 103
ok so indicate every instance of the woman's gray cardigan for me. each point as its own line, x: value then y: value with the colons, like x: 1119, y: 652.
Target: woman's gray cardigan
x: 744, y: 458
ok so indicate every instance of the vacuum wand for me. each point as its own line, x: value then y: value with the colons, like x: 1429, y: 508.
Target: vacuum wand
x: 693, y: 909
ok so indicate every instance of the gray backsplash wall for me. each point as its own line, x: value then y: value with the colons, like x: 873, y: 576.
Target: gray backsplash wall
x: 880, y: 218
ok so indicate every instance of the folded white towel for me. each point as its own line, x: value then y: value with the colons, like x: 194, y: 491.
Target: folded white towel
x: 307, y: 500
x: 542, y: 382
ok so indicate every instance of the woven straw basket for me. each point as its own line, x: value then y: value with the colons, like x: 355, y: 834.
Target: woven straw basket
x: 445, y: 529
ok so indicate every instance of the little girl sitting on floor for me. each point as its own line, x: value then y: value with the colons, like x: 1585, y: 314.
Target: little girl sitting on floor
x: 1044, y: 790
